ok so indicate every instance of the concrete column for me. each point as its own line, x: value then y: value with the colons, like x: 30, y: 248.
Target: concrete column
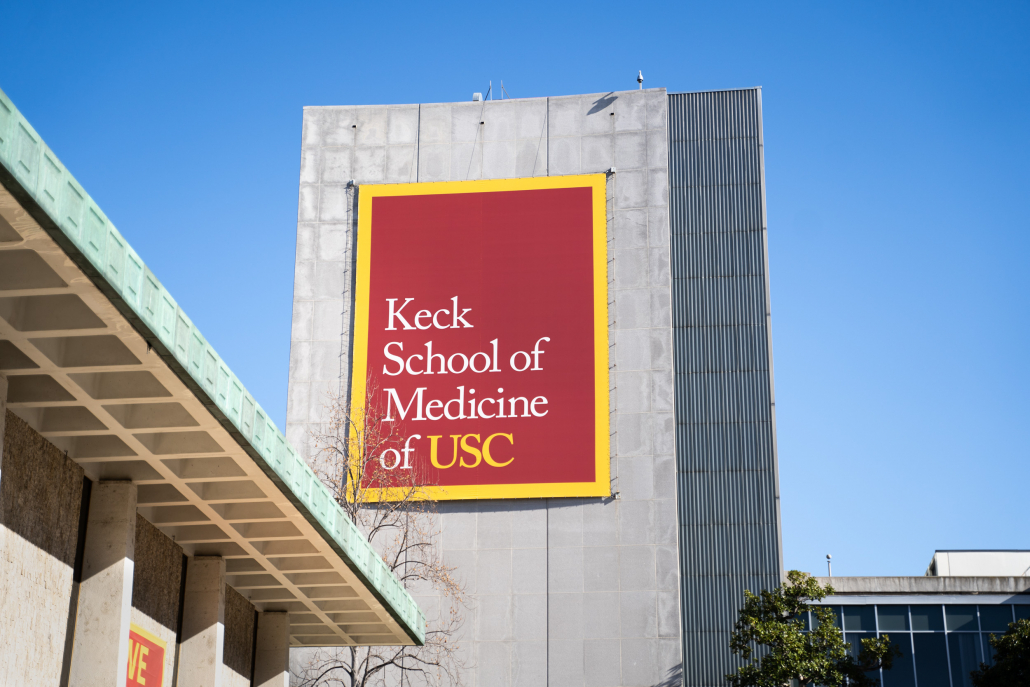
x: 100, y: 651
x: 203, y: 623
x: 272, y: 655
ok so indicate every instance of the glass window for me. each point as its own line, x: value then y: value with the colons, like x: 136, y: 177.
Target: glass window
x: 807, y: 620
x: 931, y: 659
x: 892, y: 617
x: 859, y: 618
x: 927, y: 618
x: 988, y: 653
x: 961, y: 618
x: 1022, y: 612
x: 854, y: 641
x: 995, y: 618
x: 965, y: 657
x: 902, y: 674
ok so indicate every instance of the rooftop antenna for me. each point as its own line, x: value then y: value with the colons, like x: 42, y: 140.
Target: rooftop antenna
x: 490, y: 90
x: 504, y: 92
x: 640, y: 79
x: 829, y: 567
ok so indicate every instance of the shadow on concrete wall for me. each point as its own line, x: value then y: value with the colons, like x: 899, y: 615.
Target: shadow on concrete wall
x: 602, y: 103
x: 674, y: 678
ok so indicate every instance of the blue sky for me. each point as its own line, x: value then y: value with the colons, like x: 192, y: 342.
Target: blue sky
x: 897, y: 149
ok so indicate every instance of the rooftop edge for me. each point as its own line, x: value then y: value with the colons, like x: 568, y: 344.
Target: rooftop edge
x: 35, y: 176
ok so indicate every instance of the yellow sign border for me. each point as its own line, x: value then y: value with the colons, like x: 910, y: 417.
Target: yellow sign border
x: 154, y: 639
x: 601, y: 486
x: 150, y: 636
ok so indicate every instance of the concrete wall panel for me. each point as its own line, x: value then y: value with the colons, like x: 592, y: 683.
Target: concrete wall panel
x: 544, y: 574
x: 238, y: 647
x: 157, y: 575
x: 40, y: 500
x: 157, y: 588
x: 3, y: 415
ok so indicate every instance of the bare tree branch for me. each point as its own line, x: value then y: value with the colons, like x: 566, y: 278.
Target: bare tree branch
x: 358, y: 457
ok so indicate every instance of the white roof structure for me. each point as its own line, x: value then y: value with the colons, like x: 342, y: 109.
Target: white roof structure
x: 971, y: 563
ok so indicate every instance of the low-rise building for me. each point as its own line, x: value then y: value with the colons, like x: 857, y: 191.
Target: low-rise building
x: 942, y: 621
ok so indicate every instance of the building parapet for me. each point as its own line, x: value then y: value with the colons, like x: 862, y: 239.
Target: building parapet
x: 844, y: 586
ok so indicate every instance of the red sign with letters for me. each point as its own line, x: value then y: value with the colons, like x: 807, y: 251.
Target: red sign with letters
x: 146, y: 659
x: 481, y: 317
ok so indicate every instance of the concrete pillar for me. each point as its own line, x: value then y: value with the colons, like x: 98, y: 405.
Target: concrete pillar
x: 272, y: 650
x: 100, y: 652
x: 203, y: 623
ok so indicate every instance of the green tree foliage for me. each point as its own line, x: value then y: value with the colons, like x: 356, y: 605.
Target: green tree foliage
x: 1011, y: 659
x: 770, y: 636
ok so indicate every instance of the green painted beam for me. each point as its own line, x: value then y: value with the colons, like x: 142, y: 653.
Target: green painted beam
x: 60, y: 205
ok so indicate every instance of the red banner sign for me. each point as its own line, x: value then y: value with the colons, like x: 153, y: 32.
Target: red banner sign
x: 481, y: 320
x: 146, y: 659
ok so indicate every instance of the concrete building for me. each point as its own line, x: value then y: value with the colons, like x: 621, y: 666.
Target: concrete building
x: 943, y: 620
x: 149, y: 508
x: 640, y: 587
x: 155, y: 526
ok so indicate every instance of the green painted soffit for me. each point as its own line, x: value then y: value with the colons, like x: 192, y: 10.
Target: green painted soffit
x: 71, y: 217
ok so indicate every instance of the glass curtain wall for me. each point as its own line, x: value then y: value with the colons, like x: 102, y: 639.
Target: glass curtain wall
x: 941, y: 644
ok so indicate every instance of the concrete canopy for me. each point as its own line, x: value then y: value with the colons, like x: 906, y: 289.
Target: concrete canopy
x: 102, y: 362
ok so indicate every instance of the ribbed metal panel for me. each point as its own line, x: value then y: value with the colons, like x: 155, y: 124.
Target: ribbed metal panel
x: 725, y: 422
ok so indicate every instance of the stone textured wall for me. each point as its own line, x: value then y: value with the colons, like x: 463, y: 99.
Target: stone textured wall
x: 565, y: 591
x: 40, y: 500
x: 3, y: 414
x: 157, y: 588
x: 238, y: 645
